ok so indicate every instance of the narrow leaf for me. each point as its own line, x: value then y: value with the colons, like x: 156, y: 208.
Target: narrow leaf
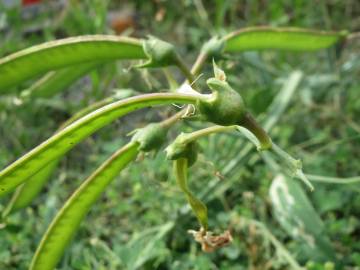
x: 66, y: 139
x: 68, y: 219
x: 36, y: 60
x: 298, y: 217
x: 25, y: 193
x: 292, y: 39
x: 198, y: 207
x: 56, y: 81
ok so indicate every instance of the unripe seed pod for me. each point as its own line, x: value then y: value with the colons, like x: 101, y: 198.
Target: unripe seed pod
x: 226, y: 108
x: 150, y: 137
x: 214, y: 47
x: 159, y: 52
x: 182, y: 148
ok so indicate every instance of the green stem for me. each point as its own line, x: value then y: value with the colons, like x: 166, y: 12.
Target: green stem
x: 250, y: 123
x: 184, y: 69
x: 199, y: 63
x: 173, y: 119
x: 333, y: 180
x: 207, y: 131
x: 195, y: 70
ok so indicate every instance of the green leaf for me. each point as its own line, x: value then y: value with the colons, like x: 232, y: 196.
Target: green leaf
x: 292, y: 39
x: 297, y: 216
x: 144, y: 246
x: 68, y: 219
x: 60, y: 143
x: 36, y: 60
x: 56, y: 81
x: 25, y: 193
x: 198, y: 207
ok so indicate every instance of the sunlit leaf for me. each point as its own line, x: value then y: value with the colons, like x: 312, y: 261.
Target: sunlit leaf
x: 52, y: 55
x: 297, y: 216
x: 291, y: 39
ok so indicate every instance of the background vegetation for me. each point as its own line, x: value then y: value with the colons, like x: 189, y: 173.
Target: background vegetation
x: 142, y: 220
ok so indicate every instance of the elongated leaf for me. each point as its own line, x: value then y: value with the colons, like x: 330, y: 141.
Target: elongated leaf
x: 297, y: 216
x: 292, y: 39
x: 25, y: 193
x: 198, y: 207
x: 57, y: 54
x: 68, y: 219
x: 144, y: 246
x: 56, y: 81
x: 64, y: 140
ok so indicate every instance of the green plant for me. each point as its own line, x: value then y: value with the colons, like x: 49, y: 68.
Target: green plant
x: 223, y: 107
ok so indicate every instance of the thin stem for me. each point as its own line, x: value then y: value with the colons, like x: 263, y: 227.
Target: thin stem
x: 207, y: 131
x: 199, y: 63
x: 184, y: 69
x: 333, y: 180
x: 249, y: 122
x: 173, y: 119
x: 195, y: 70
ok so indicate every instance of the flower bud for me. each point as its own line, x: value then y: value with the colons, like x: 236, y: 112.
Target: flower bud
x: 225, y: 108
x: 182, y: 148
x: 159, y: 52
x: 150, y: 137
x: 214, y: 47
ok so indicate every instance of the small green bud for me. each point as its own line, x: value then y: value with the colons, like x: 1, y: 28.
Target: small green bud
x: 150, y: 137
x: 214, y: 47
x: 182, y: 148
x: 226, y: 108
x: 159, y: 52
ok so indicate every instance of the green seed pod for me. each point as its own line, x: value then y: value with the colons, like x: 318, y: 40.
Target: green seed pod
x: 226, y: 108
x: 214, y: 47
x: 159, y: 52
x: 182, y: 148
x: 150, y: 137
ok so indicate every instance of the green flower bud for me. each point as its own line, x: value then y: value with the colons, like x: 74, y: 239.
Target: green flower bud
x: 214, y: 47
x: 159, y: 52
x: 182, y: 148
x: 226, y: 107
x: 151, y: 137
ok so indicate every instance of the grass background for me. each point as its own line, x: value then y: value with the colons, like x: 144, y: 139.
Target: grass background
x: 141, y: 221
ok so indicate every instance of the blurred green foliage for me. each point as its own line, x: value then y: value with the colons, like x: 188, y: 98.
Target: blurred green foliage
x: 142, y: 220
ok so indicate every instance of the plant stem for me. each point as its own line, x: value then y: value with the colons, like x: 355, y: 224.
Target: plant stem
x: 199, y: 63
x: 172, y: 119
x: 207, y: 131
x: 195, y: 70
x: 249, y: 122
x: 184, y: 69
x: 333, y: 180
